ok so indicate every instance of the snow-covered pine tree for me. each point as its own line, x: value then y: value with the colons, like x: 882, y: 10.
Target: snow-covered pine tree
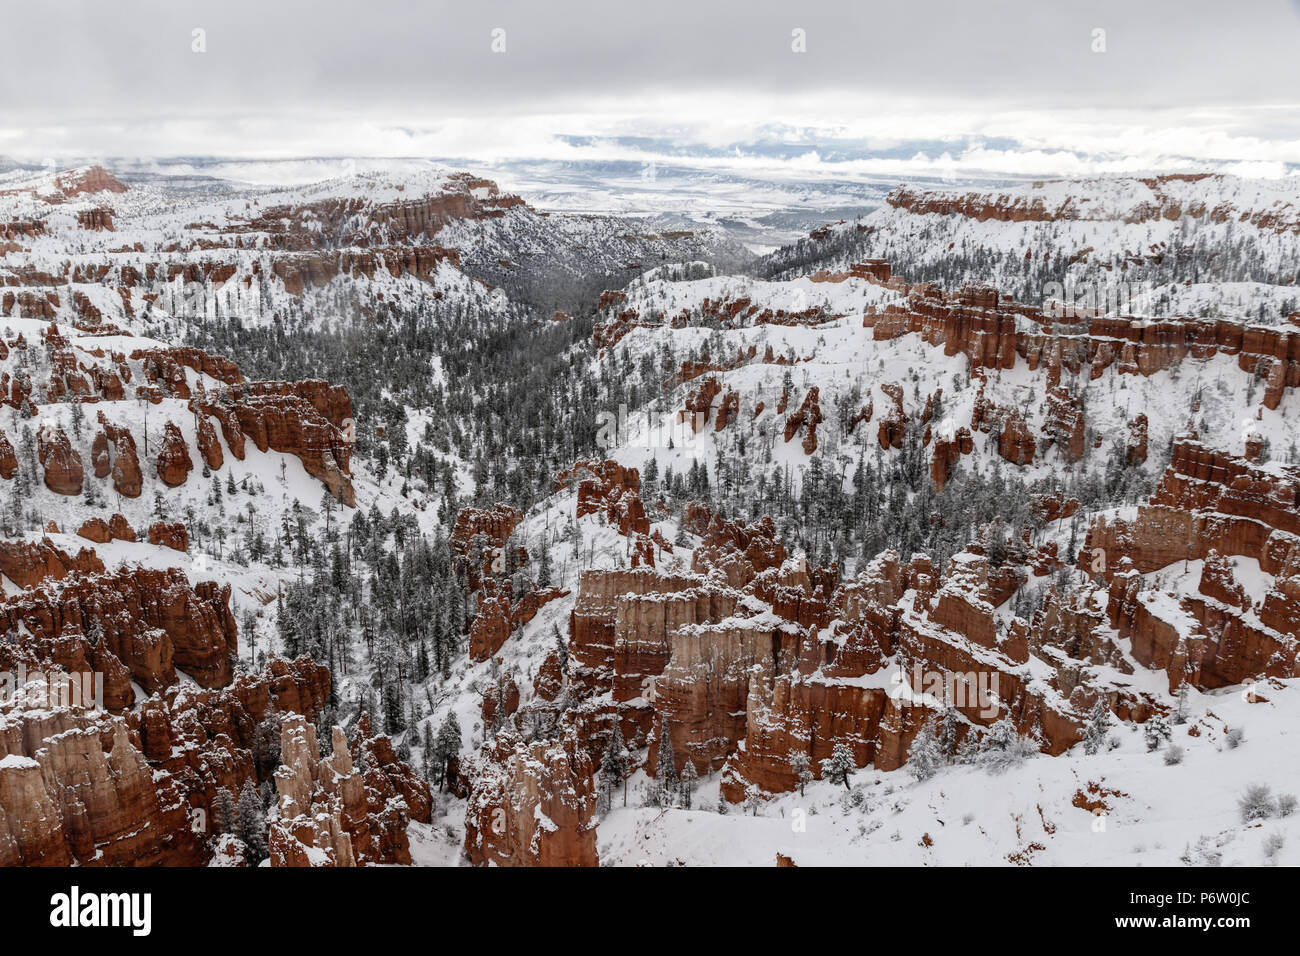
x: 801, y: 764
x: 948, y: 733
x: 613, y: 766
x: 251, y: 822
x: 446, y: 746
x: 1002, y: 747
x: 1156, y: 731
x: 544, y: 566
x: 224, y: 815
x: 665, y: 768
x: 688, y: 780
x: 1180, y: 713
x: 925, y: 758
x: 1094, y: 733
x: 839, y: 766
x: 561, y: 647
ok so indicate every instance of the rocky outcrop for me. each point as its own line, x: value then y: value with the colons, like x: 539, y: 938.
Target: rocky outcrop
x: 605, y: 335
x: 742, y: 668
x: 1206, y: 500
x: 169, y: 535
x: 492, y: 625
x: 316, y: 795
x: 62, y: 464
x: 118, y: 445
x: 95, y: 529
x: 592, y: 623
x: 150, y: 620
x: 478, y: 540
x: 1148, y: 199
x: 500, y: 701
x: 1016, y: 442
x: 97, y: 218
x: 808, y: 417
x: 333, y: 812
x: 120, y: 529
x: 164, y: 366
x: 705, y: 718
x: 752, y: 658
x: 893, y: 423
x: 231, y: 430
x: 1052, y: 507
x: 8, y: 460
x: 532, y: 804
x: 100, y: 460
x: 27, y: 563
x: 548, y: 682
x: 74, y: 790
x: 947, y: 453
x: 304, y: 419
x: 609, y: 488
x: 1065, y: 424
x: 739, y: 552
x: 994, y: 332
x: 699, y: 403
x: 212, y: 740
x: 391, y: 785
x: 972, y: 322
x: 78, y: 786
x: 174, y: 462
x: 496, y: 525
x: 1135, y: 446
x: 497, y: 618
x: 209, y: 444
x: 85, y: 181
x: 1208, y: 505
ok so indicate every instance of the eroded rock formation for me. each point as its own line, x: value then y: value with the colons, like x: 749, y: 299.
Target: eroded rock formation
x: 532, y: 804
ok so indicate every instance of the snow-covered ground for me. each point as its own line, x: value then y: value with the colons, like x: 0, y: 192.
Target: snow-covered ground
x: 1046, y: 811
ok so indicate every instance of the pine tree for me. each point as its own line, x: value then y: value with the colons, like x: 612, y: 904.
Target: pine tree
x: 447, y: 746
x: 266, y: 744
x: 1094, y: 734
x: 325, y: 729
x: 801, y: 764
x: 1156, y: 731
x: 665, y: 768
x: 689, y: 777
x: 839, y: 766
x: 925, y: 757
x: 544, y: 568
x: 251, y: 822
x: 561, y: 647
x: 1180, y: 715
x: 613, y: 766
x: 224, y: 815
x: 948, y: 733
x: 1001, y: 748
x: 394, y: 708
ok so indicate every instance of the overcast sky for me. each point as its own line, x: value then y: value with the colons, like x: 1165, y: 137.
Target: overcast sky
x: 1201, y: 80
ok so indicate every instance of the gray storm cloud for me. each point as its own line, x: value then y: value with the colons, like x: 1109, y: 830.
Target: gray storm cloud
x: 92, y: 75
